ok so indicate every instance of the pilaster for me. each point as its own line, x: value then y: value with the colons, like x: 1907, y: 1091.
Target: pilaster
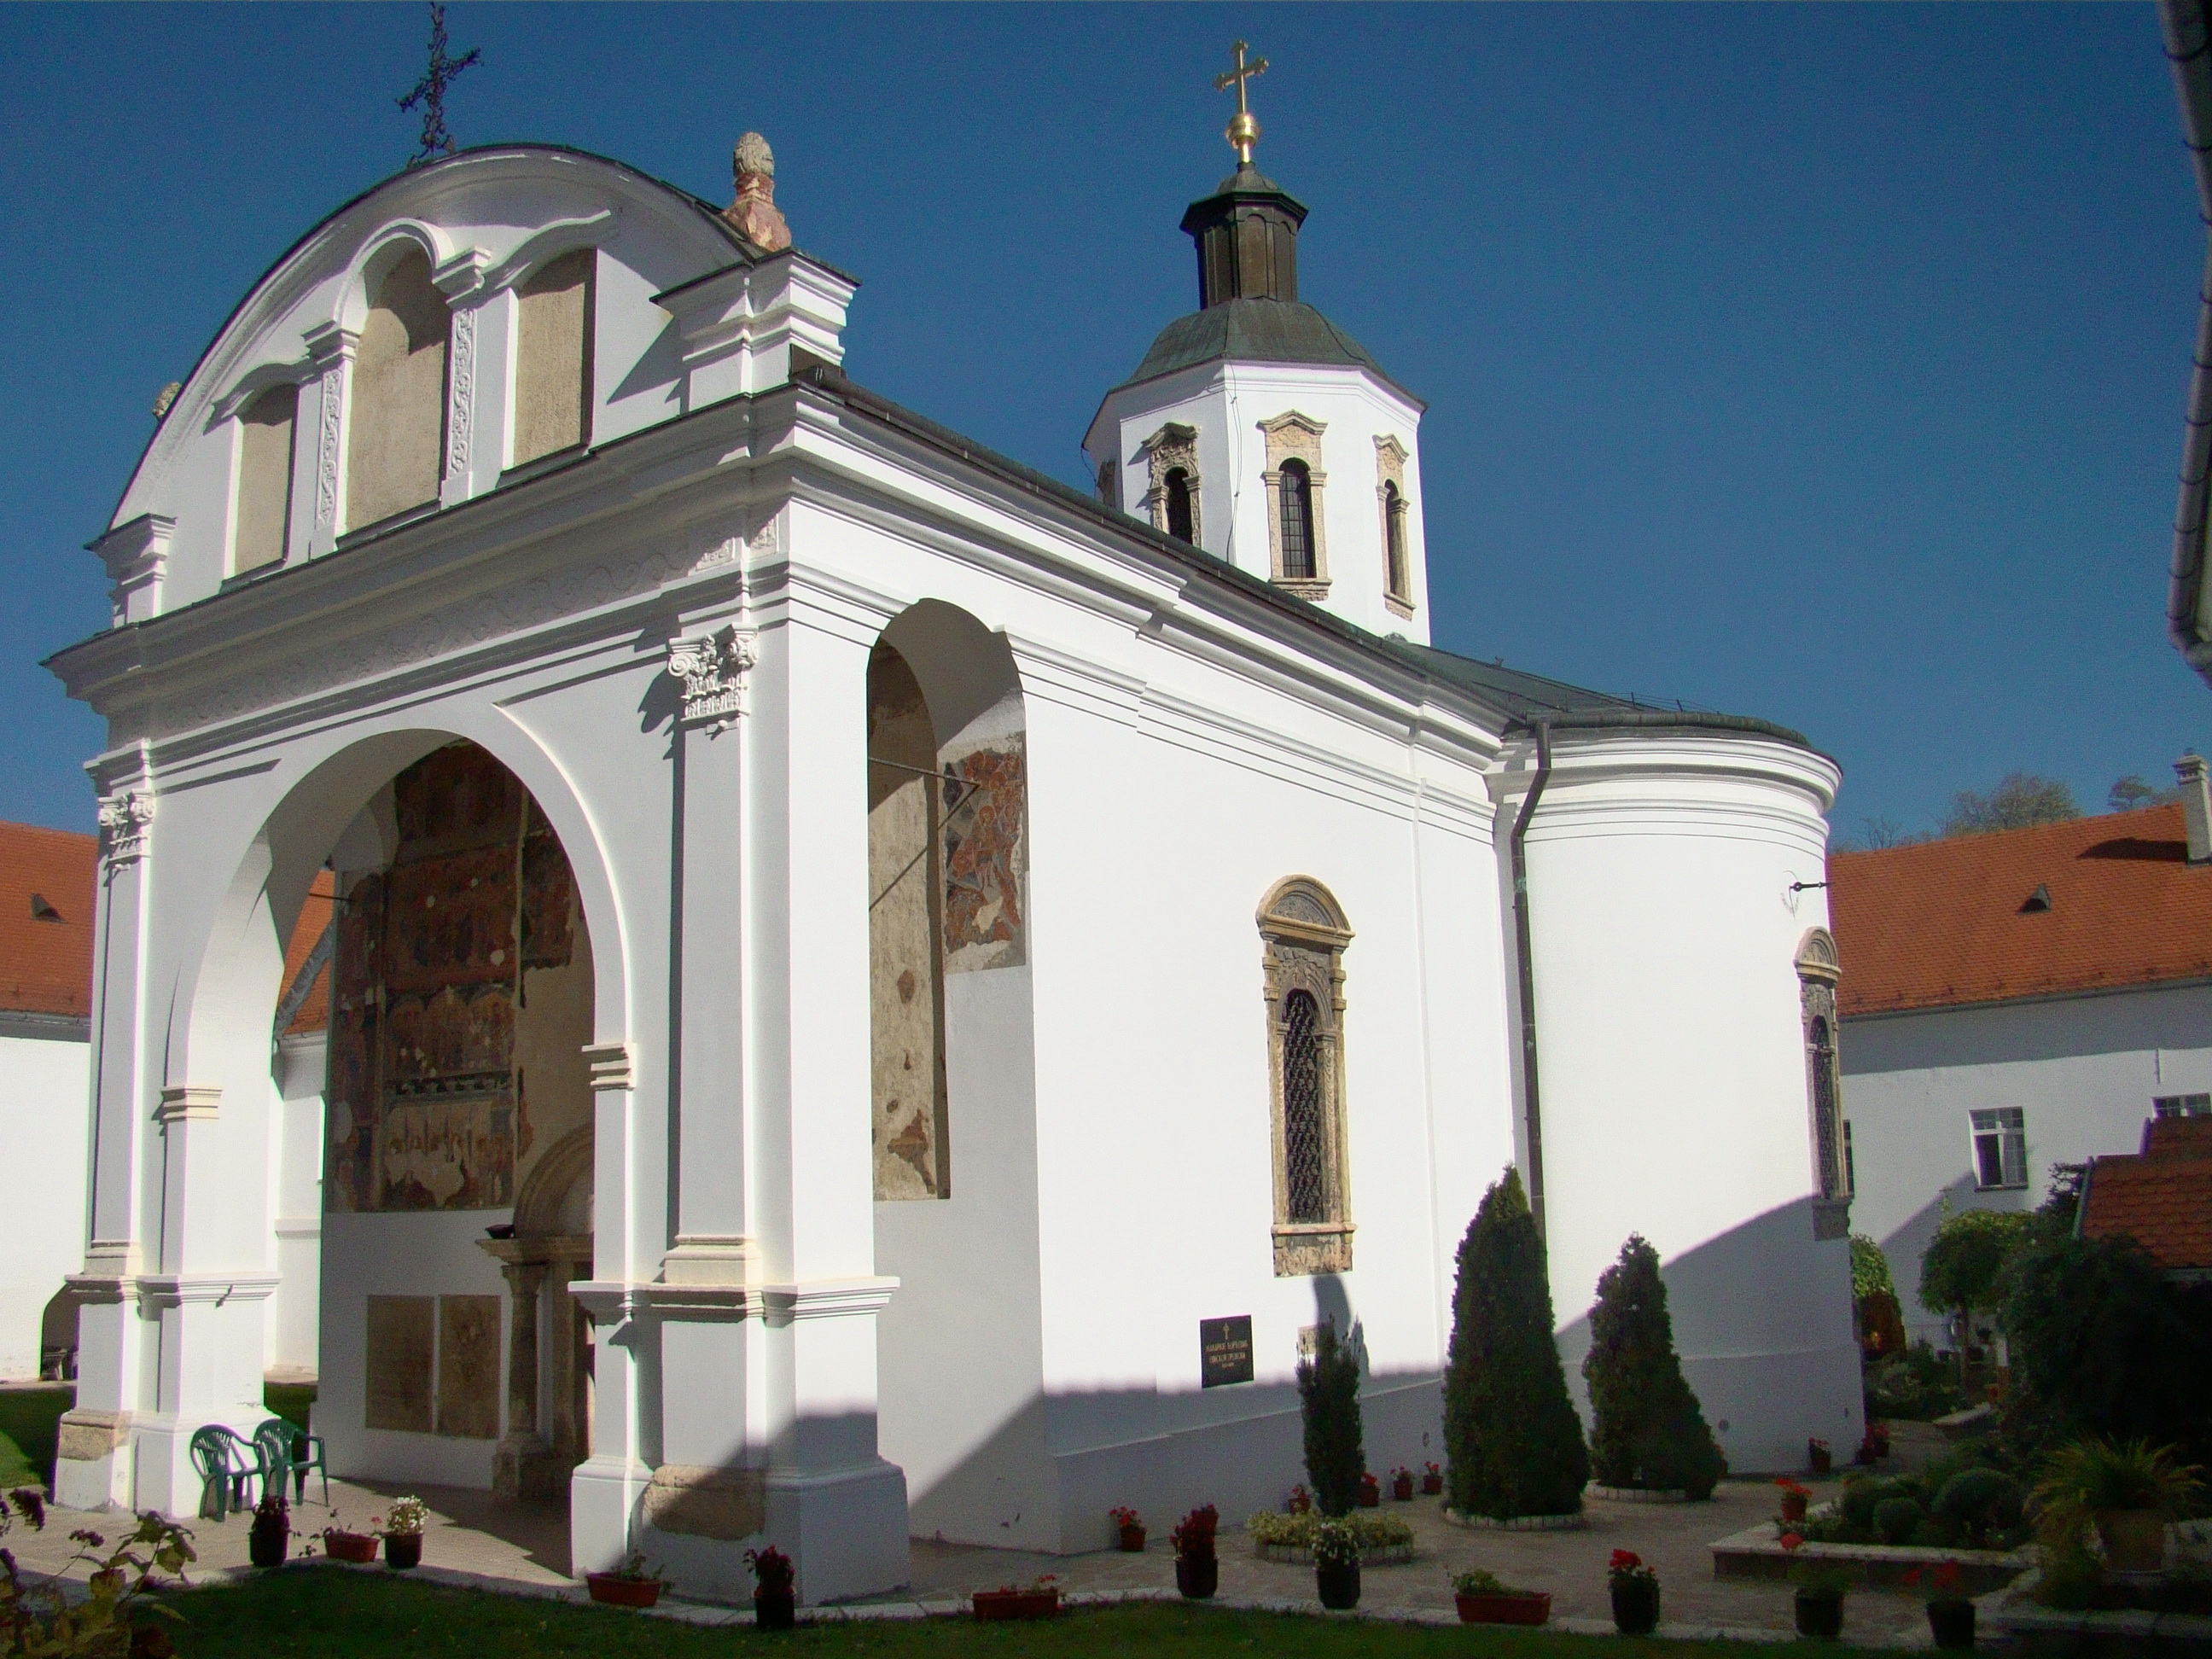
x: 323, y: 403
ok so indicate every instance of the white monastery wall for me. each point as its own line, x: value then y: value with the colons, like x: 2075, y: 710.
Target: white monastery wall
x: 1672, y: 1074
x: 2082, y: 1070
x: 45, y: 1083
x: 297, y: 1203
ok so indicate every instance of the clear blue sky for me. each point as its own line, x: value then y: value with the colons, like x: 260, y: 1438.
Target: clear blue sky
x: 1824, y: 363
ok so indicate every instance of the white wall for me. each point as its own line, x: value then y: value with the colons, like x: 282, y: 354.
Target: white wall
x: 45, y: 1094
x: 293, y: 1331
x: 2083, y: 1070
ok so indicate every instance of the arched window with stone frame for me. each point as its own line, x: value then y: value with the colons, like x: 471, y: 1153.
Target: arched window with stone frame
x: 1303, y: 934
x: 1297, y: 538
x: 1397, y: 551
x: 1818, y: 970
x: 1171, y: 488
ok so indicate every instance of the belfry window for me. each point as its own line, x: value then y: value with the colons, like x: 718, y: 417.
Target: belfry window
x: 1394, y: 540
x: 1172, y: 486
x: 1303, y: 934
x: 1179, y: 524
x: 1390, y: 458
x: 1297, y: 501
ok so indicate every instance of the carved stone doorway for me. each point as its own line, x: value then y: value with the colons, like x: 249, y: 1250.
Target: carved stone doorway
x: 549, y: 1353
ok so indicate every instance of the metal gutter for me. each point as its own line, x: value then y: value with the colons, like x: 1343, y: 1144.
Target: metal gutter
x: 1686, y: 720
x: 1524, y: 959
x: 2188, y: 46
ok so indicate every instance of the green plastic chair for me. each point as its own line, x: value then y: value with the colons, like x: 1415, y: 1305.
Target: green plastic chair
x: 225, y: 1463
x: 289, y: 1450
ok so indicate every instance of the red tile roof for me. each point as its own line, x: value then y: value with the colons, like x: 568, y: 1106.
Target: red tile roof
x: 2160, y: 1197
x: 48, y: 879
x: 1949, y: 921
x: 315, y: 916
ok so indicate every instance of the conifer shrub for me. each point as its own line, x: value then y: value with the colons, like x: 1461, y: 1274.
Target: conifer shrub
x: 1512, y: 1439
x: 1329, y: 1401
x: 1648, y: 1428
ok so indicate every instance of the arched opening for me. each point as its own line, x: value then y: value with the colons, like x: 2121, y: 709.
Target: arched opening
x: 1394, y: 537
x: 1179, y: 522
x: 1296, y: 494
x: 264, y: 515
x: 397, y: 424
x: 553, y: 357
x: 1303, y: 934
x: 1305, y: 1167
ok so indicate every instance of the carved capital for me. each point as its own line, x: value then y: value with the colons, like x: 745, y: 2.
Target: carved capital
x: 188, y: 1102
x: 611, y: 1065
x: 713, y: 671
x: 126, y: 817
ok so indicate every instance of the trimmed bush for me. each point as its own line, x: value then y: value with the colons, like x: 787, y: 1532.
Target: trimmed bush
x: 1513, y: 1443
x: 1896, y: 1519
x: 1980, y: 1503
x: 1650, y: 1430
x: 1329, y: 1401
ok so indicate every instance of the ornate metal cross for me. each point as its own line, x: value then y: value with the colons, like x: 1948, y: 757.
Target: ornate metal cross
x: 1242, y: 131
x: 430, y: 91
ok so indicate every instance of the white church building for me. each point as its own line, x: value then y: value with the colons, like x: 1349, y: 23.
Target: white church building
x: 874, y: 993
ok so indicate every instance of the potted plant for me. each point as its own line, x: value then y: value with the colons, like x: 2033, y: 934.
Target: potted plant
x: 1950, y: 1609
x: 633, y: 1584
x: 776, y: 1589
x: 1819, y: 1595
x: 1794, y: 1498
x: 402, y: 1533
x: 1481, y: 1600
x: 1336, y: 1564
x: 2125, y: 1488
x: 1198, y: 1570
x: 341, y: 1544
x: 1039, y: 1599
x: 1131, y: 1526
x: 1432, y: 1480
x: 1819, y: 1455
x: 1635, y: 1589
x: 1878, y: 1437
x: 1401, y: 1486
x: 1370, y: 1491
x: 1300, y: 1502
x: 270, y: 1536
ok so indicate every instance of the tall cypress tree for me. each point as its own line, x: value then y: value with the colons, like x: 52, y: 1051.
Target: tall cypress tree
x: 1648, y: 1428
x: 1328, y: 1398
x: 1514, y: 1442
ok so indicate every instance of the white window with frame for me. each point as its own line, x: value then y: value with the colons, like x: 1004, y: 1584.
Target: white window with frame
x: 2181, y: 1105
x: 2000, y: 1147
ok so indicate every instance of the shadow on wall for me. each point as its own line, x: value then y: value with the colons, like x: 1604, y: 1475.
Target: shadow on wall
x: 1766, y: 1278
x: 1909, y: 1242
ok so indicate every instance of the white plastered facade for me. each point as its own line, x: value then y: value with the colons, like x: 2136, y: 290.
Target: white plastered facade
x: 44, y: 1084
x: 1005, y: 1364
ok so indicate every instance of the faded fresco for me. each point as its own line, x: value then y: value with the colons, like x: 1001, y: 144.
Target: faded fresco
x: 429, y: 1106
x: 985, y: 856
x: 906, y: 971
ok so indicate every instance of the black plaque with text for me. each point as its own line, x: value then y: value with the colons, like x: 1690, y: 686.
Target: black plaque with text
x: 1224, y: 1351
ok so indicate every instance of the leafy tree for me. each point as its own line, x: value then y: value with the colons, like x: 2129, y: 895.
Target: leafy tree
x: 1869, y: 1269
x: 1649, y: 1429
x: 2020, y: 801
x: 1962, y: 1271
x: 2130, y: 793
x: 1514, y: 1443
x: 1328, y: 1399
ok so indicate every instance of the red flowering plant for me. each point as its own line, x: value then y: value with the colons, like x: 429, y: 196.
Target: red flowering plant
x: 1300, y: 1502
x: 1942, y: 1582
x: 772, y: 1572
x: 1814, y: 1578
x: 1431, y: 1469
x: 1125, y: 1517
x: 1627, y: 1567
x: 1193, y: 1537
x: 1793, y: 1488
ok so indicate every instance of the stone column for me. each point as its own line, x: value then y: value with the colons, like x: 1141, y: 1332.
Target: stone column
x: 522, y: 1467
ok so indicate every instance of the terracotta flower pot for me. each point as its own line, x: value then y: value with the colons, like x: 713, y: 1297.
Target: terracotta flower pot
x: 616, y: 1591
x: 2135, y: 1540
x: 1952, y: 1623
x: 1820, y: 1613
x: 358, y: 1548
x: 1371, y: 1495
x: 1819, y: 1456
x: 1198, y: 1578
x: 1338, y: 1584
x: 1636, y: 1607
x: 402, y: 1550
x: 1792, y: 1505
x: 1133, y: 1539
x: 1432, y: 1484
x: 1401, y: 1488
x: 265, y: 1546
x: 1015, y: 1604
x: 1533, y: 1608
x: 775, y: 1610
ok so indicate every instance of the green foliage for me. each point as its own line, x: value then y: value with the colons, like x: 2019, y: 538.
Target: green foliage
x: 1896, y: 1519
x: 1370, y: 1530
x: 2021, y: 800
x: 1511, y: 1437
x: 1334, y: 1544
x: 1910, y: 1385
x: 1649, y: 1428
x: 1980, y: 1505
x: 1328, y: 1399
x: 2103, y: 1344
x: 1964, y: 1265
x: 290, y: 1401
x: 30, y: 1421
x: 2124, y: 1475
x: 1869, y: 1269
x: 44, y: 1621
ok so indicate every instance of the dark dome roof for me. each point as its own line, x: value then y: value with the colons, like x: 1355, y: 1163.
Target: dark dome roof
x: 1255, y: 330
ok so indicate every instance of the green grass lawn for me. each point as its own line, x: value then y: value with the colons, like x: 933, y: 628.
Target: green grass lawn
x: 324, y: 1611
x: 29, y: 1426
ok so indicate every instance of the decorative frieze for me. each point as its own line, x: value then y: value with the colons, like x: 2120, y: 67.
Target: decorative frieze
x: 460, y: 406
x: 713, y: 670
x: 126, y: 817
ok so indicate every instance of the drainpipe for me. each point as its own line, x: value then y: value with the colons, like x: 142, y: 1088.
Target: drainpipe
x: 1528, y: 968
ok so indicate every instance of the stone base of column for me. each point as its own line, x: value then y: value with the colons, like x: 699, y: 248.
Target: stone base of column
x: 524, y: 1470
x: 844, y: 1529
x: 604, y: 1493
x: 92, y: 1463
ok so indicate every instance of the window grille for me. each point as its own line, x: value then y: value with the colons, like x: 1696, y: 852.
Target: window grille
x: 1302, y: 1110
x: 2000, y: 1147
x: 1179, y: 505
x: 1394, y: 531
x: 2181, y: 1105
x: 1296, y: 492
x: 1827, y: 1111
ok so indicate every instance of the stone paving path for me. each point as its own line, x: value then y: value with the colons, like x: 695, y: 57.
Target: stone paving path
x: 525, y: 1551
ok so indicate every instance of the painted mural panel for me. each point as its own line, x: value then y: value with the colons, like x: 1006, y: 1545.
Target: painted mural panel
x: 402, y: 1335
x: 468, y: 1367
x: 428, y: 1098
x: 985, y: 856
x: 905, y: 901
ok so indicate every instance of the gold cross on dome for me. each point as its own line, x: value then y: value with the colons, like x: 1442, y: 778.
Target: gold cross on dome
x: 1242, y: 131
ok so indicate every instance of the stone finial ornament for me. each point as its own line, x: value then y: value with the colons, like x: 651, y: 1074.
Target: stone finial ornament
x: 754, y: 215
x: 164, y: 397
